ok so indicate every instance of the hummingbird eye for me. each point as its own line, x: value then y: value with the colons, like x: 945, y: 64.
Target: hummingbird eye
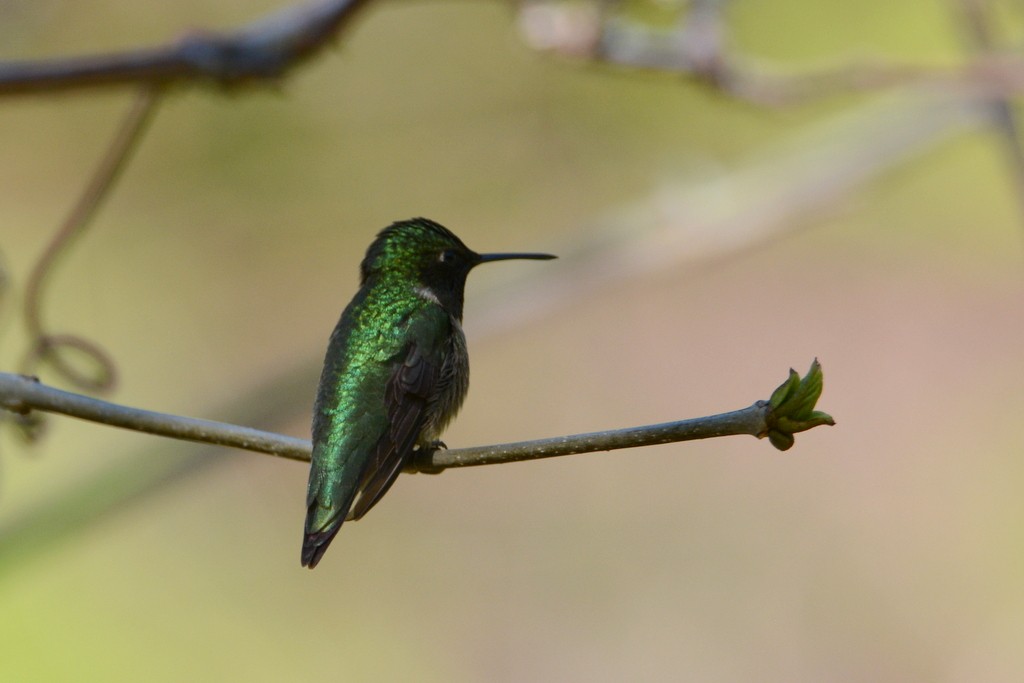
x: 448, y: 256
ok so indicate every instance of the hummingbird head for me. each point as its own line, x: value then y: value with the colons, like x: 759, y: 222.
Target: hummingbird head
x: 430, y: 258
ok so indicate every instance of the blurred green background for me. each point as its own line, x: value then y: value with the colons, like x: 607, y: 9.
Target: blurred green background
x: 888, y: 548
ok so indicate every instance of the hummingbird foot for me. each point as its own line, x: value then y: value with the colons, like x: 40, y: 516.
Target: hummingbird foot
x: 420, y: 460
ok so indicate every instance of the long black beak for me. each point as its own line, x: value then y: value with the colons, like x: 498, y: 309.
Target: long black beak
x: 487, y: 258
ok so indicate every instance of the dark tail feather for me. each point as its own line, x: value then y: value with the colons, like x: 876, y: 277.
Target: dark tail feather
x: 373, y: 490
x: 314, y: 545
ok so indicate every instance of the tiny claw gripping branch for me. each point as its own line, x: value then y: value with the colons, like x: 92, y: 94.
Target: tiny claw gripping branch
x: 791, y: 408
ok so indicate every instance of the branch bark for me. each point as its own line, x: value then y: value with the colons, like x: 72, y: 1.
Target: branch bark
x: 263, y: 50
x: 790, y: 410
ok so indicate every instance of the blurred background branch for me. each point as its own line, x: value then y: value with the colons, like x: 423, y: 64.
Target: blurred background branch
x: 46, y: 348
x: 980, y: 31
x: 263, y: 50
x: 697, y: 47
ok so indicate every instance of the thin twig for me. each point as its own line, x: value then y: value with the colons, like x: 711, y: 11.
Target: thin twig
x: 45, y: 346
x: 752, y: 421
x: 20, y: 394
x: 263, y: 50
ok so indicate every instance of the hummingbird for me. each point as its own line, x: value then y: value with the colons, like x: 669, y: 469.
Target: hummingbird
x: 395, y: 374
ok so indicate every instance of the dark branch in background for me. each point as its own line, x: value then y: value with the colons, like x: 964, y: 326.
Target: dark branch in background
x: 789, y: 410
x: 262, y: 50
x: 49, y: 348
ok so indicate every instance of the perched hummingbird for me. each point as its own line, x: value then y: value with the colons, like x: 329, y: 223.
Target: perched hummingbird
x: 395, y: 374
